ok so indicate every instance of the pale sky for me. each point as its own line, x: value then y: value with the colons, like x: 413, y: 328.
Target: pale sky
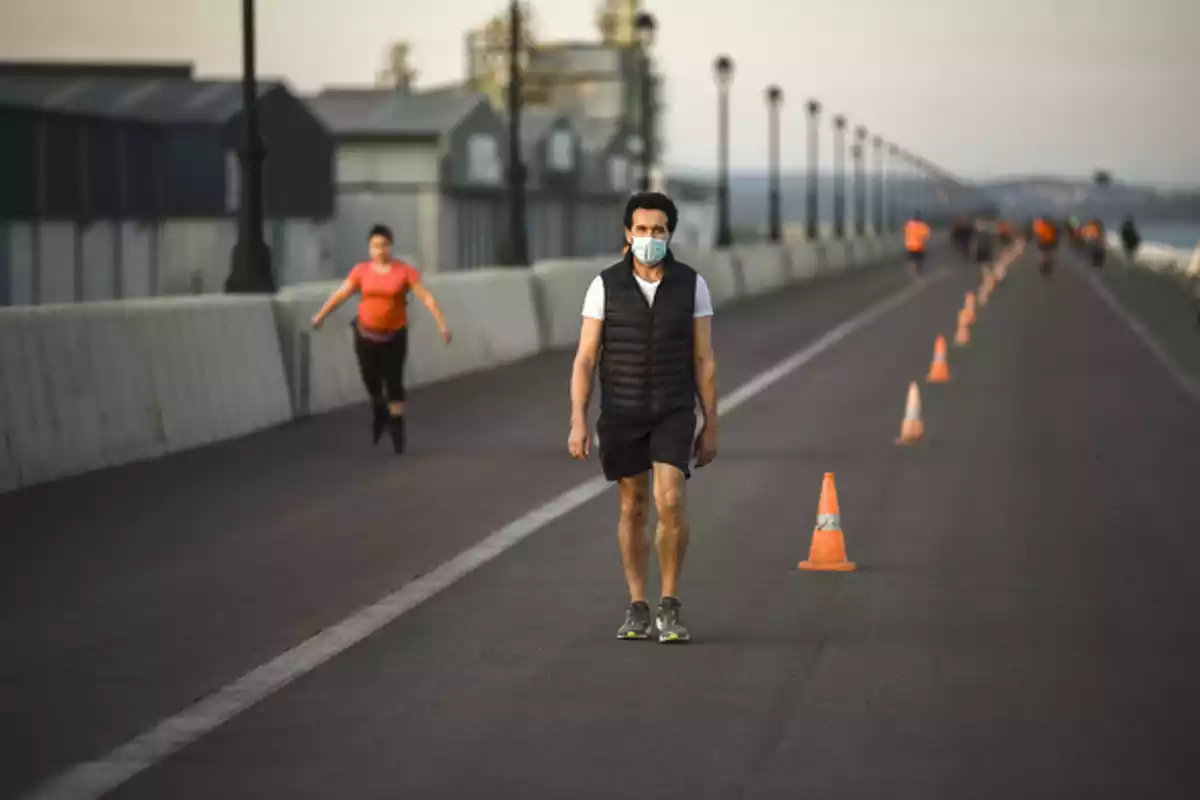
x: 980, y: 88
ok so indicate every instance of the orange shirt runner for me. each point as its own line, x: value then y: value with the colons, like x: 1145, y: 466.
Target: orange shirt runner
x: 383, y: 308
x: 1044, y: 231
x: 916, y: 235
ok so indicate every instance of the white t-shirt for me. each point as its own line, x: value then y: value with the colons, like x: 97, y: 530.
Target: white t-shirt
x: 593, y: 301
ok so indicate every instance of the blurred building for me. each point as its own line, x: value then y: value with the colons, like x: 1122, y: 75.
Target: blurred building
x: 597, y: 80
x: 122, y: 180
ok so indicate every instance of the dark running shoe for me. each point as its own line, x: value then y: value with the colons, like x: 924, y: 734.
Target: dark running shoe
x: 396, y: 429
x: 379, y: 418
x: 670, y: 629
x: 637, y: 622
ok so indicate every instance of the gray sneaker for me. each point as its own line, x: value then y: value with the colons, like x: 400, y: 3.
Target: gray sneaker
x: 670, y: 629
x: 637, y: 622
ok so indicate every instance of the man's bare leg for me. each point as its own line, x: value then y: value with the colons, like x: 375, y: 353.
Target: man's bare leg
x: 671, y: 538
x: 631, y: 532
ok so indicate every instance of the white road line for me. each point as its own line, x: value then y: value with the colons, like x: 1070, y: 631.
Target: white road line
x: 1189, y: 385
x: 93, y: 779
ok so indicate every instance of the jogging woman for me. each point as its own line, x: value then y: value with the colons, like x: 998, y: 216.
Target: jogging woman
x: 381, y: 329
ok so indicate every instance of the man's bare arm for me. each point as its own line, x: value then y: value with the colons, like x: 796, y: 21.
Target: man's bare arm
x: 585, y: 368
x: 706, y: 369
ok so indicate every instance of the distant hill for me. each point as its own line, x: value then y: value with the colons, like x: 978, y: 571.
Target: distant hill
x: 1018, y: 197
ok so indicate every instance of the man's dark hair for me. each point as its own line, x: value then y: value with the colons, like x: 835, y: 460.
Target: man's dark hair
x: 380, y: 230
x: 652, y: 201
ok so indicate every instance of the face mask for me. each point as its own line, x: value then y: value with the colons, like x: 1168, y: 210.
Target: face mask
x: 649, y: 250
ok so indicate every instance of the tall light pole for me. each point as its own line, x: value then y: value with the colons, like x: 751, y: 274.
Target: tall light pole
x: 839, y: 177
x: 860, y: 183
x: 774, y: 97
x: 812, y: 198
x: 518, y: 244
x: 723, y: 69
x: 893, y: 188
x: 878, y: 213
x: 250, y: 270
x: 645, y: 27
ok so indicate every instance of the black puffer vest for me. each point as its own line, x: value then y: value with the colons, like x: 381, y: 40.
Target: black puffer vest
x: 646, y: 366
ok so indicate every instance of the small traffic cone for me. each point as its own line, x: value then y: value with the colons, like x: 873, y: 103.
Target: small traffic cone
x: 828, y: 550
x: 962, y: 336
x: 939, y: 370
x: 912, y: 429
x: 969, y: 307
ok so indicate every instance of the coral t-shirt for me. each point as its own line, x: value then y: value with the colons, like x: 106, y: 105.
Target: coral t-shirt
x: 383, y: 307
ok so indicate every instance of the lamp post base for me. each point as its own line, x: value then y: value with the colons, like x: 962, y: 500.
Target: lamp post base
x: 250, y: 269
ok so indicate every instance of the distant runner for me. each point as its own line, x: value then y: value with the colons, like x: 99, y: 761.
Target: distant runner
x: 986, y: 235
x: 381, y: 329
x: 1046, y: 234
x: 1094, y: 241
x: 1131, y: 240
x: 916, y: 239
x: 961, y: 233
x: 1007, y: 235
x: 647, y: 324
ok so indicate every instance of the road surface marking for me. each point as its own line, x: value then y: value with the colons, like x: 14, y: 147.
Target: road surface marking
x: 93, y: 779
x: 1191, y: 386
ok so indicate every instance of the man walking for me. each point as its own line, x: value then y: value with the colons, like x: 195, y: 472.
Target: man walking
x: 647, y: 321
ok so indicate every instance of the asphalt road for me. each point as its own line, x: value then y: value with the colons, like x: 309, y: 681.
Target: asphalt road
x: 1023, y: 622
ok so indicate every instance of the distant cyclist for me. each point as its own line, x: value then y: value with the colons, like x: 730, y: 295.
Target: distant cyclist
x: 1045, y: 231
x: 916, y: 239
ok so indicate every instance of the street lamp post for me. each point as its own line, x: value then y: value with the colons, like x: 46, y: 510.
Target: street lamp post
x: 860, y: 183
x: 518, y: 245
x: 250, y: 268
x: 723, y: 69
x: 839, y: 177
x: 645, y: 27
x: 893, y: 189
x: 812, y: 198
x: 878, y: 212
x: 775, y: 223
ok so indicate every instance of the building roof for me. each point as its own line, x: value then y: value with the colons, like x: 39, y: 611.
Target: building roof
x: 157, y: 99
x: 388, y: 112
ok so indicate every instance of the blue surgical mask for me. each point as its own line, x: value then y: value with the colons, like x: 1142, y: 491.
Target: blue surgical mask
x: 649, y: 250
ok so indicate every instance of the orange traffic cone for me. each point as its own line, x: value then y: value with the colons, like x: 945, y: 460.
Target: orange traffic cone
x: 912, y: 429
x: 962, y: 336
x: 939, y: 370
x: 969, y: 307
x: 828, y: 550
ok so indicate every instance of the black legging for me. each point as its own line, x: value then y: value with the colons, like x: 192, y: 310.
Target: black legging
x: 382, y: 365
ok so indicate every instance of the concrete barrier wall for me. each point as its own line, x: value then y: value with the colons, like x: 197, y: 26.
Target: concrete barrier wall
x: 803, y: 260
x: 85, y: 386
x: 719, y: 271
x: 89, y: 385
x: 490, y: 311
x: 561, y: 285
x: 763, y: 268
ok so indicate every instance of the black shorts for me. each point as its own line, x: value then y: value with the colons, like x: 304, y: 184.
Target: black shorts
x: 630, y: 447
x: 1048, y: 247
x: 917, y: 255
x: 983, y: 255
x: 381, y: 364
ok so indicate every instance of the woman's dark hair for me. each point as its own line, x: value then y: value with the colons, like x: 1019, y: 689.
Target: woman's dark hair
x: 380, y: 230
x: 652, y: 201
